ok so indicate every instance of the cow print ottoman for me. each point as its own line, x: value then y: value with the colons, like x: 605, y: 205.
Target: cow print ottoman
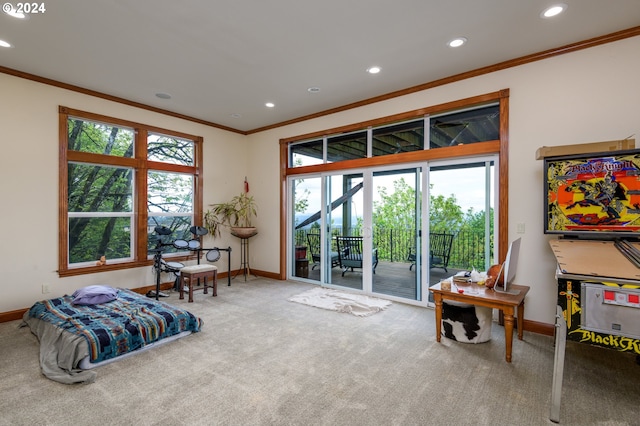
x: 466, y: 323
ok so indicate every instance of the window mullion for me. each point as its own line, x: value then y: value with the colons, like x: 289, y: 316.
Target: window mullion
x: 63, y: 197
x: 141, y: 194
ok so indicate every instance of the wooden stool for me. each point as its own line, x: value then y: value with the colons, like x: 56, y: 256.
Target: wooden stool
x: 192, y: 273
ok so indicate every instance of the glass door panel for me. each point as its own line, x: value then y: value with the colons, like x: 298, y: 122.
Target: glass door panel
x: 461, y: 206
x: 396, y: 236
x: 306, y: 256
x: 345, y: 219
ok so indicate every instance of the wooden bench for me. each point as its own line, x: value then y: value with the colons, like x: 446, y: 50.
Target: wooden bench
x: 190, y: 275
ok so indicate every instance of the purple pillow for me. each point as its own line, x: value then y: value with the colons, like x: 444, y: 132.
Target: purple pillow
x: 94, y: 295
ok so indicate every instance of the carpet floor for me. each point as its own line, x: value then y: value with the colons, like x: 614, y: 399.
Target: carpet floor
x: 262, y: 360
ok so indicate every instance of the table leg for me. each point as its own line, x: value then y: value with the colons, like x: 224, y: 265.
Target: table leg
x: 508, y: 332
x: 438, y: 301
x: 520, y: 320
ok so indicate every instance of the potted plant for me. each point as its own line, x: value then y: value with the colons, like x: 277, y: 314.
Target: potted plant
x: 236, y: 214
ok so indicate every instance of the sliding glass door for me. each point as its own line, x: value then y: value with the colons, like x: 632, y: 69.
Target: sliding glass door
x: 394, y: 231
x: 326, y: 210
x: 396, y: 213
x: 462, y: 198
x: 345, y: 225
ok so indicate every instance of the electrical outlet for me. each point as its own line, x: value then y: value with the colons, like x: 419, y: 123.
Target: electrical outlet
x: 520, y: 228
x: 45, y: 288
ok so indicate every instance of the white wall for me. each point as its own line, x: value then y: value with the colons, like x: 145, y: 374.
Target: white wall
x: 587, y: 96
x: 29, y: 187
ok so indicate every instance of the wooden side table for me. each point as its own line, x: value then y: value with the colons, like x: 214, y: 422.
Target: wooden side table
x: 474, y: 294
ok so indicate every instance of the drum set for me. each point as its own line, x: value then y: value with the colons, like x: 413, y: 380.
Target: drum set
x: 194, y: 245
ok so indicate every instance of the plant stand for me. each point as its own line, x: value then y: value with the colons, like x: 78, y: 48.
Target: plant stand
x: 244, y: 255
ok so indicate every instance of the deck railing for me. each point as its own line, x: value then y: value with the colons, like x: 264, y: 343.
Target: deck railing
x: 393, y: 245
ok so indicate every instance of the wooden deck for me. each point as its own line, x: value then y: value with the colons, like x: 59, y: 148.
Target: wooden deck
x: 391, y: 278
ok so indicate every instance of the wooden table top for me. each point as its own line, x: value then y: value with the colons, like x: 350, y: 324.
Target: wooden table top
x: 479, y: 294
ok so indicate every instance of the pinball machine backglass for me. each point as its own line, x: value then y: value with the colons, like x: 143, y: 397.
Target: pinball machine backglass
x: 593, y: 195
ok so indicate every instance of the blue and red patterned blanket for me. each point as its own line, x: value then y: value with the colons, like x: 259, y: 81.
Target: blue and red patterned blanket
x: 115, y: 328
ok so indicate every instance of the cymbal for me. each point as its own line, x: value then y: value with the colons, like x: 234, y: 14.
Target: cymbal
x: 198, y: 230
x: 213, y: 255
x: 162, y: 230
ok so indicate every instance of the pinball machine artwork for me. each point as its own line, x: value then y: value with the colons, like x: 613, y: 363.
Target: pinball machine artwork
x: 593, y: 195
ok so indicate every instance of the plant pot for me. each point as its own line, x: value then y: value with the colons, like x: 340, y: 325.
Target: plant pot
x: 243, y: 232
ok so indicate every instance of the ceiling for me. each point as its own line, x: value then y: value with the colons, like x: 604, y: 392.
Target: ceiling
x: 221, y: 61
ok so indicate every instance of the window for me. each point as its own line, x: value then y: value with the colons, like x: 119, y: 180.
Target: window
x: 306, y: 153
x: 170, y: 204
x: 404, y: 137
x: 118, y: 181
x: 460, y: 131
x: 452, y: 127
x: 100, y: 210
x: 466, y: 127
x: 347, y: 147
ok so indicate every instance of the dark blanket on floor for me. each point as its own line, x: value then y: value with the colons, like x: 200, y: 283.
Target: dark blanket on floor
x: 110, y: 329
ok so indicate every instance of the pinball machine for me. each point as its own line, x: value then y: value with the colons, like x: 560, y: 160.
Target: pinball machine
x: 592, y: 203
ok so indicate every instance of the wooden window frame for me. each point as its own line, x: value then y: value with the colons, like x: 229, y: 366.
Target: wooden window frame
x: 500, y: 147
x: 141, y: 166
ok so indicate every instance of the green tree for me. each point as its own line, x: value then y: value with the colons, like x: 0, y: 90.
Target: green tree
x: 394, y: 220
x: 475, y: 221
x: 394, y: 223
x: 473, y: 234
x: 95, y: 189
x: 397, y: 210
x: 301, y: 198
x: 445, y: 215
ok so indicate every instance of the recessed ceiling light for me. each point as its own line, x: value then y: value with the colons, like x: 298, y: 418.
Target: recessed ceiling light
x: 270, y: 105
x: 236, y: 115
x: 313, y: 89
x: 373, y: 70
x: 554, y: 10
x: 163, y: 95
x: 4, y: 44
x: 457, y: 42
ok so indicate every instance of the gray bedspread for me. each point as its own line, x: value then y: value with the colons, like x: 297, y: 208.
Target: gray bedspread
x: 60, y: 352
